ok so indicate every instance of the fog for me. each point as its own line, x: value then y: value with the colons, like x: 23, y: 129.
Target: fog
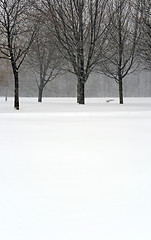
x: 137, y: 84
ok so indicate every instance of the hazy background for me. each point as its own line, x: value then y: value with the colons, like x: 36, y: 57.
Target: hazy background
x: 137, y: 84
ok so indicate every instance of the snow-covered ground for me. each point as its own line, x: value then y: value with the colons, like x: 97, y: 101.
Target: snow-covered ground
x: 71, y: 172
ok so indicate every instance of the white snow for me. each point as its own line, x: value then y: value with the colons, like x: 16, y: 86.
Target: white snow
x: 71, y: 172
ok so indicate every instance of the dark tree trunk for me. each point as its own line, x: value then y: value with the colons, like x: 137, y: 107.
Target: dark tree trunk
x: 120, y: 90
x: 121, y: 50
x: 16, y: 80
x: 15, y: 72
x: 80, y: 93
x: 40, y: 91
x: 16, y: 99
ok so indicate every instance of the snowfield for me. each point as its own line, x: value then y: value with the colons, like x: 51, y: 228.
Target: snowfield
x: 71, y: 172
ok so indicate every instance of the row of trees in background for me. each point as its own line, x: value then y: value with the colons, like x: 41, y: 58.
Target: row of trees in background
x: 112, y: 37
x: 5, y: 75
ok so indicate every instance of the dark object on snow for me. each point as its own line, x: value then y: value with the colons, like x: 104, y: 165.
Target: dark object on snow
x: 109, y: 100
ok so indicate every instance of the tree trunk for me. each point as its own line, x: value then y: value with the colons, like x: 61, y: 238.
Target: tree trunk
x: 80, y: 93
x: 40, y: 91
x: 16, y: 99
x: 121, y: 51
x: 16, y: 79
x: 120, y: 90
x: 6, y: 94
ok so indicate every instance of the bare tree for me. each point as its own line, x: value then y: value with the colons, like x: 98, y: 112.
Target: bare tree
x: 145, y: 43
x: 16, y: 36
x: 121, y: 55
x: 44, y: 59
x: 80, y: 28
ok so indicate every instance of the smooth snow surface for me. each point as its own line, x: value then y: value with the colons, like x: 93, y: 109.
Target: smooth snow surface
x: 71, y: 172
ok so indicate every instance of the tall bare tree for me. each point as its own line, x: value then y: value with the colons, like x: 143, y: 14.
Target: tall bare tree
x: 44, y: 59
x: 145, y: 43
x: 121, y: 56
x: 16, y: 36
x: 80, y: 28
